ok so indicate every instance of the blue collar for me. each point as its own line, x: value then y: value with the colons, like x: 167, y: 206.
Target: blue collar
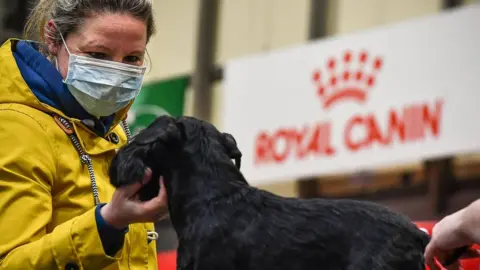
x: 47, y: 85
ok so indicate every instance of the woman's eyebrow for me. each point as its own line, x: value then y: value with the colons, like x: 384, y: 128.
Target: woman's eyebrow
x: 139, y: 52
x: 95, y: 44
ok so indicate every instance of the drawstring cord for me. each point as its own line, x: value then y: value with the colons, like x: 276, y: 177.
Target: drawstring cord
x: 152, y: 235
x: 84, y: 157
x: 86, y: 160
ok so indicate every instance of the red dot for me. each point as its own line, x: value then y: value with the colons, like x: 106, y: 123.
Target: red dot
x: 378, y: 63
x: 347, y: 57
x: 331, y: 63
x: 371, y: 81
x: 363, y: 57
x: 346, y: 75
x: 333, y: 81
x: 321, y: 91
x: 316, y: 76
x: 358, y: 75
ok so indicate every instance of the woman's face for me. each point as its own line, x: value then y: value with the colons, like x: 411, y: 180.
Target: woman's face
x: 115, y: 37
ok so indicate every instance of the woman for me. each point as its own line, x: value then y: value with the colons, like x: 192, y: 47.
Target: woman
x: 62, y: 103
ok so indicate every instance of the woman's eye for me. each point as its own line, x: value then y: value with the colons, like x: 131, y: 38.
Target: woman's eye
x: 98, y: 55
x: 132, y: 59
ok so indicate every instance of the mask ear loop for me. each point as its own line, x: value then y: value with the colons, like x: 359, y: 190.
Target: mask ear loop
x: 64, y: 44
x: 55, y: 62
x: 63, y: 40
x: 147, y: 62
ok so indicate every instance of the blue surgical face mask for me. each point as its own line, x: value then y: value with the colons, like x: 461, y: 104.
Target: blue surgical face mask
x: 102, y: 87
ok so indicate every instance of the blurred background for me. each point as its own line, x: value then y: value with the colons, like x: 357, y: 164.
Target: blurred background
x: 196, y: 38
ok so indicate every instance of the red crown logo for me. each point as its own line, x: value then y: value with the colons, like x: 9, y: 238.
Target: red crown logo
x: 348, y: 78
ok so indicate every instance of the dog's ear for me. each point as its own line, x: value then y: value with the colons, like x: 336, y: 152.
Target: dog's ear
x: 230, y: 145
x: 169, y: 137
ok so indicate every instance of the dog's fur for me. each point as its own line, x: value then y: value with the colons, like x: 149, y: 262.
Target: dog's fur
x: 223, y: 223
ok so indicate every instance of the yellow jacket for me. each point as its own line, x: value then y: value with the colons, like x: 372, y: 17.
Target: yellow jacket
x: 47, y: 211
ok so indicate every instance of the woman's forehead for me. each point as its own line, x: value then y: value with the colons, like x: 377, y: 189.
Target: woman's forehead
x: 112, y: 32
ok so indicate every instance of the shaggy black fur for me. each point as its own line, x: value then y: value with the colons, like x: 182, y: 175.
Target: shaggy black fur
x: 222, y: 223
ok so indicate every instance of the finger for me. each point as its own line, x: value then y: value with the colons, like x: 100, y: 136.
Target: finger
x: 438, y: 265
x: 132, y: 189
x: 158, y: 205
x: 433, y: 256
x: 429, y: 254
x: 161, y: 197
x: 162, y: 193
x: 434, y: 265
x: 147, y: 176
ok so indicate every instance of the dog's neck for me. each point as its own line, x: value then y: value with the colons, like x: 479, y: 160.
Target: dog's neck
x: 195, y: 186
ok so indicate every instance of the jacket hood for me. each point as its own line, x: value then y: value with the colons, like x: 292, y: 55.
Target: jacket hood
x: 29, y: 78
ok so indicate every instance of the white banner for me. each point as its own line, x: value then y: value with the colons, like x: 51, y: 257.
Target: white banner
x: 395, y: 94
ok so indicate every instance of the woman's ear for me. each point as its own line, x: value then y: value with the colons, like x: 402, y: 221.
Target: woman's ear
x: 49, y: 36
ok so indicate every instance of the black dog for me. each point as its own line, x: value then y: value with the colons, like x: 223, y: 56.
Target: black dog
x: 222, y: 223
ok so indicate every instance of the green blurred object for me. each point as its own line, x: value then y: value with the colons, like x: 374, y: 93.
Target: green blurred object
x: 156, y: 99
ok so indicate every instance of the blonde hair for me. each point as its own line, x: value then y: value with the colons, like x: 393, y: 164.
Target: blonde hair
x: 69, y: 15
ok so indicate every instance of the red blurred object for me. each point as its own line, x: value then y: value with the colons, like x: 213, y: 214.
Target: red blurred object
x: 467, y: 264
x: 167, y: 260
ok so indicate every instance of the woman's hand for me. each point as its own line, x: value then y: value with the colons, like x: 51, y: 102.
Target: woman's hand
x: 448, y: 234
x: 125, y: 208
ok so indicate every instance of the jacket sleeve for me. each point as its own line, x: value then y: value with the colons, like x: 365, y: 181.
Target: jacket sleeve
x: 111, y: 237
x: 28, y: 169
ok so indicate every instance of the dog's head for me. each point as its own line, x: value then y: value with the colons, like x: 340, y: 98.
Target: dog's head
x: 169, y: 141
x: 160, y: 137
